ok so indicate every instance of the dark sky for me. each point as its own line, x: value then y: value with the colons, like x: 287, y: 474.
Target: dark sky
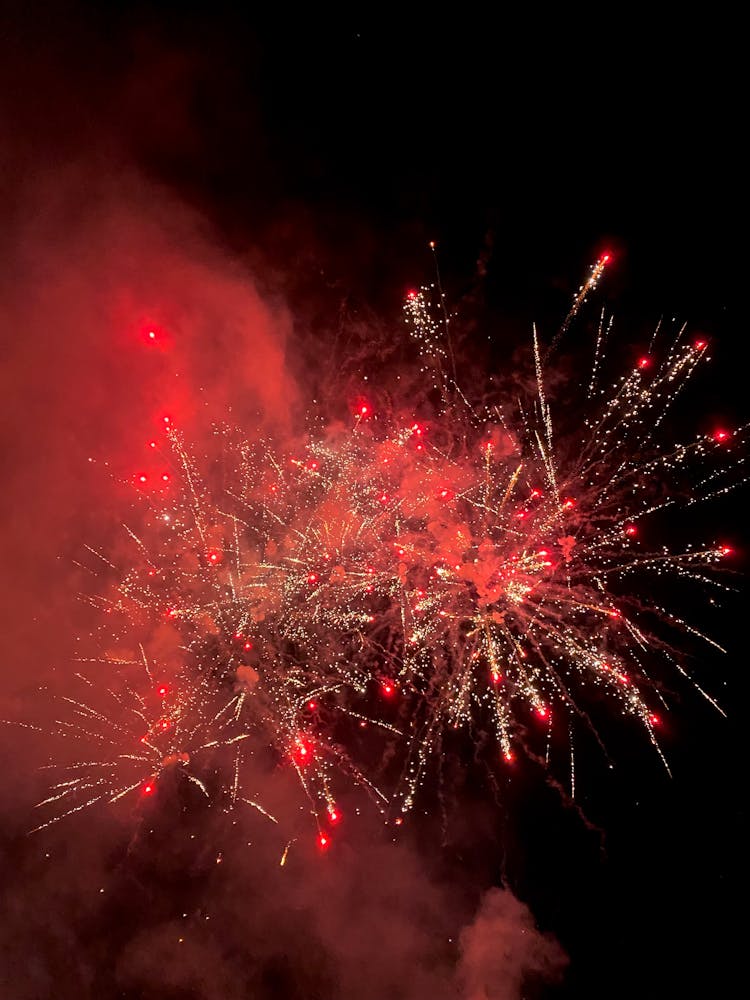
x: 255, y: 176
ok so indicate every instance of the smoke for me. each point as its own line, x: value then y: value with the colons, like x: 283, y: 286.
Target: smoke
x: 95, y: 258
x: 502, y: 948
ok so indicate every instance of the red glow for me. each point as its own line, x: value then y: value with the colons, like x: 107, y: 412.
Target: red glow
x: 388, y: 689
x: 567, y: 504
x: 164, y: 724
x: 508, y: 756
x: 214, y: 556
x: 248, y: 645
x: 496, y: 678
x: 333, y: 815
x: 384, y: 498
x: 151, y: 335
x: 142, y: 478
x: 542, y: 712
x: 614, y: 613
x: 163, y: 690
x: 535, y: 494
x: 152, y: 444
x: 411, y: 294
x: 654, y: 720
x: 605, y: 259
x: 166, y: 419
x: 312, y: 705
x: 721, y: 435
x: 323, y: 841
x: 631, y: 530
x: 312, y: 578
x: 398, y: 821
x: 644, y: 362
x: 700, y: 344
x: 726, y: 550
x: 165, y: 478
x: 148, y: 788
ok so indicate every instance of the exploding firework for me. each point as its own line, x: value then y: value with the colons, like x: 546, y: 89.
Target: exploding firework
x: 425, y: 569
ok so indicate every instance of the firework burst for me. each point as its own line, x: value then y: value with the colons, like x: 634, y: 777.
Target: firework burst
x: 408, y: 574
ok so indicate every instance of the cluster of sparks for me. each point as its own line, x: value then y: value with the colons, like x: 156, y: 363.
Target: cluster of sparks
x: 405, y: 576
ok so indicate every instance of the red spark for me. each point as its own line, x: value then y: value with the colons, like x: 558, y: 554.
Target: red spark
x: 654, y: 720
x: 142, y: 478
x: 535, y: 494
x: 700, y: 344
x: 569, y: 503
x: 387, y: 688
x: 165, y: 478
x: 411, y: 294
x: 323, y: 841
x: 720, y: 435
x: 644, y: 362
x: 163, y: 690
x: 631, y: 530
x: 214, y: 556
x: 248, y: 645
x: 726, y: 550
x: 333, y: 815
x: 509, y: 757
x: 152, y: 444
x: 312, y: 578
x: 312, y: 705
x: 148, y: 788
x: 605, y: 259
x: 164, y: 724
x: 542, y: 712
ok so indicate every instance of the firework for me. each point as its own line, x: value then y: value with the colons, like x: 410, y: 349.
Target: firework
x: 407, y: 575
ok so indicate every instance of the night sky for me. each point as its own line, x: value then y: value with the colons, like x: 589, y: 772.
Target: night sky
x: 256, y: 181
